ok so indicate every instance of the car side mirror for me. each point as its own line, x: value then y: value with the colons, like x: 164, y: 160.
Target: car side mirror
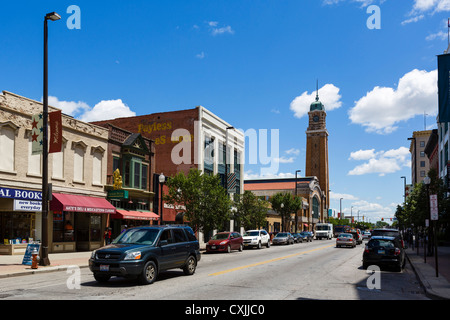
x: 163, y: 243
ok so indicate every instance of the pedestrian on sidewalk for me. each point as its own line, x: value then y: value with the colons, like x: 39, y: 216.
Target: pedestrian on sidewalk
x: 108, y: 236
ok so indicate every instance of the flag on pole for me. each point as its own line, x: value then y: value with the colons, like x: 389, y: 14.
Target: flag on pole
x: 37, y: 134
x: 55, y: 138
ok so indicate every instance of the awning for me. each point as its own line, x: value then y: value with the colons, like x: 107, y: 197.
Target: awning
x: 75, y: 203
x: 134, y: 215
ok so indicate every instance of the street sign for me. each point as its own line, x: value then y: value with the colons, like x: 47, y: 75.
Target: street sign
x: 434, y: 212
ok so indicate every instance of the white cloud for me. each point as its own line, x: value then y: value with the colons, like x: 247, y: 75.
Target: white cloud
x: 381, y: 109
x: 413, y: 19
x: 328, y: 94
x: 200, y: 55
x: 70, y: 108
x: 293, y: 151
x: 362, y: 155
x: 215, y: 30
x: 344, y: 196
x: 104, y: 110
x: 107, y: 109
x: 431, y: 5
x: 382, y: 162
x: 441, y: 35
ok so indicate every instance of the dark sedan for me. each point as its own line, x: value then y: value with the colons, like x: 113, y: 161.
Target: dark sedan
x: 384, y: 251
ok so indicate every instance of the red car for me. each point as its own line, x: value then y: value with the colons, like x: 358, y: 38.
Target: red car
x: 225, y: 242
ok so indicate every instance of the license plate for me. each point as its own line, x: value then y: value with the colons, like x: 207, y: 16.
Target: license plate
x: 104, y: 268
x: 213, y: 247
x: 381, y: 252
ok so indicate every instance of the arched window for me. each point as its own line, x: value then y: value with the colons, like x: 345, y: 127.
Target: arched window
x: 315, y: 208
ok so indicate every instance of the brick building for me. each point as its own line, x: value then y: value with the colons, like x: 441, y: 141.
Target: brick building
x: 185, y: 139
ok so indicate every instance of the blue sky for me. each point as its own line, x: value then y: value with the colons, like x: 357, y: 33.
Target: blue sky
x: 254, y: 64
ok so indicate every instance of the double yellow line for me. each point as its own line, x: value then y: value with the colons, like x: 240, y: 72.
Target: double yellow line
x: 269, y: 261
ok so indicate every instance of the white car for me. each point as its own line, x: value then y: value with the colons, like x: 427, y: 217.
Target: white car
x: 256, y: 238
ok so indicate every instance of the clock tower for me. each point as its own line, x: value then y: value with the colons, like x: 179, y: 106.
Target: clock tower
x: 317, y: 148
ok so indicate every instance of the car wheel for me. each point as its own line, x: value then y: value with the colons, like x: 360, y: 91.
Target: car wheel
x: 101, y: 277
x: 259, y: 245
x: 241, y: 247
x: 229, y: 249
x: 268, y: 244
x: 191, y: 265
x: 149, y: 273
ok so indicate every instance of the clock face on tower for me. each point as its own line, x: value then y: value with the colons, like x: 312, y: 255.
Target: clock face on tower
x: 316, y: 118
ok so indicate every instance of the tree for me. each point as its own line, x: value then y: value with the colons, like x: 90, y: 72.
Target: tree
x: 285, y: 203
x: 206, y: 202
x: 251, y: 211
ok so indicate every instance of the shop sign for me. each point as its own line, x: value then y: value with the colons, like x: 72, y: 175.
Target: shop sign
x: 27, y: 258
x: 27, y: 205
x: 20, y: 194
x: 118, y: 194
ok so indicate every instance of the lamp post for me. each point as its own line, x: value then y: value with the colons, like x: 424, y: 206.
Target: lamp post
x: 427, y: 182
x: 162, y: 180
x: 44, y: 261
x: 296, y: 212
x: 340, y: 208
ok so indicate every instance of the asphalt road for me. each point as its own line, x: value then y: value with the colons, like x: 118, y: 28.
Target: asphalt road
x: 316, y: 270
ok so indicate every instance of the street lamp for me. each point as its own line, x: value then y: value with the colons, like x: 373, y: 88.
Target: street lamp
x: 296, y: 212
x: 44, y: 261
x: 427, y: 181
x: 340, y: 208
x: 162, y: 180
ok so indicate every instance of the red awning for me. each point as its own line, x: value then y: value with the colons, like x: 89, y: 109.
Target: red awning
x: 134, y: 215
x: 75, y: 203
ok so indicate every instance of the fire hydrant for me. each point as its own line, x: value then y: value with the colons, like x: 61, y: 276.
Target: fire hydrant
x: 34, y: 259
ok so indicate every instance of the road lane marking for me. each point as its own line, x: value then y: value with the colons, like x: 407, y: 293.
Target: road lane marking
x: 269, y: 261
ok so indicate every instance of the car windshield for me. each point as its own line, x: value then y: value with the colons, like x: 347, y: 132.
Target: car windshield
x: 381, y: 243
x: 321, y: 228
x: 387, y: 233
x: 304, y: 233
x: 137, y: 236
x: 281, y: 235
x: 345, y: 235
x: 220, y: 236
x: 251, y: 233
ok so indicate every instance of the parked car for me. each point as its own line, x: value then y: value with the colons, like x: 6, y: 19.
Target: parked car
x: 384, y: 251
x: 283, y: 238
x: 256, y: 238
x: 345, y: 239
x: 388, y: 232
x: 306, y: 236
x: 143, y: 252
x: 297, y: 237
x: 225, y: 242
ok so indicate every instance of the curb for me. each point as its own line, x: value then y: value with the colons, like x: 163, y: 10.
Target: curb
x: 37, y: 271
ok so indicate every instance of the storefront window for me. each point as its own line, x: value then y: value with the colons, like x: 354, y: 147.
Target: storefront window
x: 95, y: 227
x: 17, y: 227
x: 63, y: 226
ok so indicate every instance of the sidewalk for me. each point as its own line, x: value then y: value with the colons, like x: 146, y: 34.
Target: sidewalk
x: 11, y: 266
x: 435, y: 287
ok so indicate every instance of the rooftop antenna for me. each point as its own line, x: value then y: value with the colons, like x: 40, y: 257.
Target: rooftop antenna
x: 317, y: 90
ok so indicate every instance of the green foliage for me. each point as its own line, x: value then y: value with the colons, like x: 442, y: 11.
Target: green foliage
x: 207, y: 204
x: 285, y: 204
x: 250, y: 211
